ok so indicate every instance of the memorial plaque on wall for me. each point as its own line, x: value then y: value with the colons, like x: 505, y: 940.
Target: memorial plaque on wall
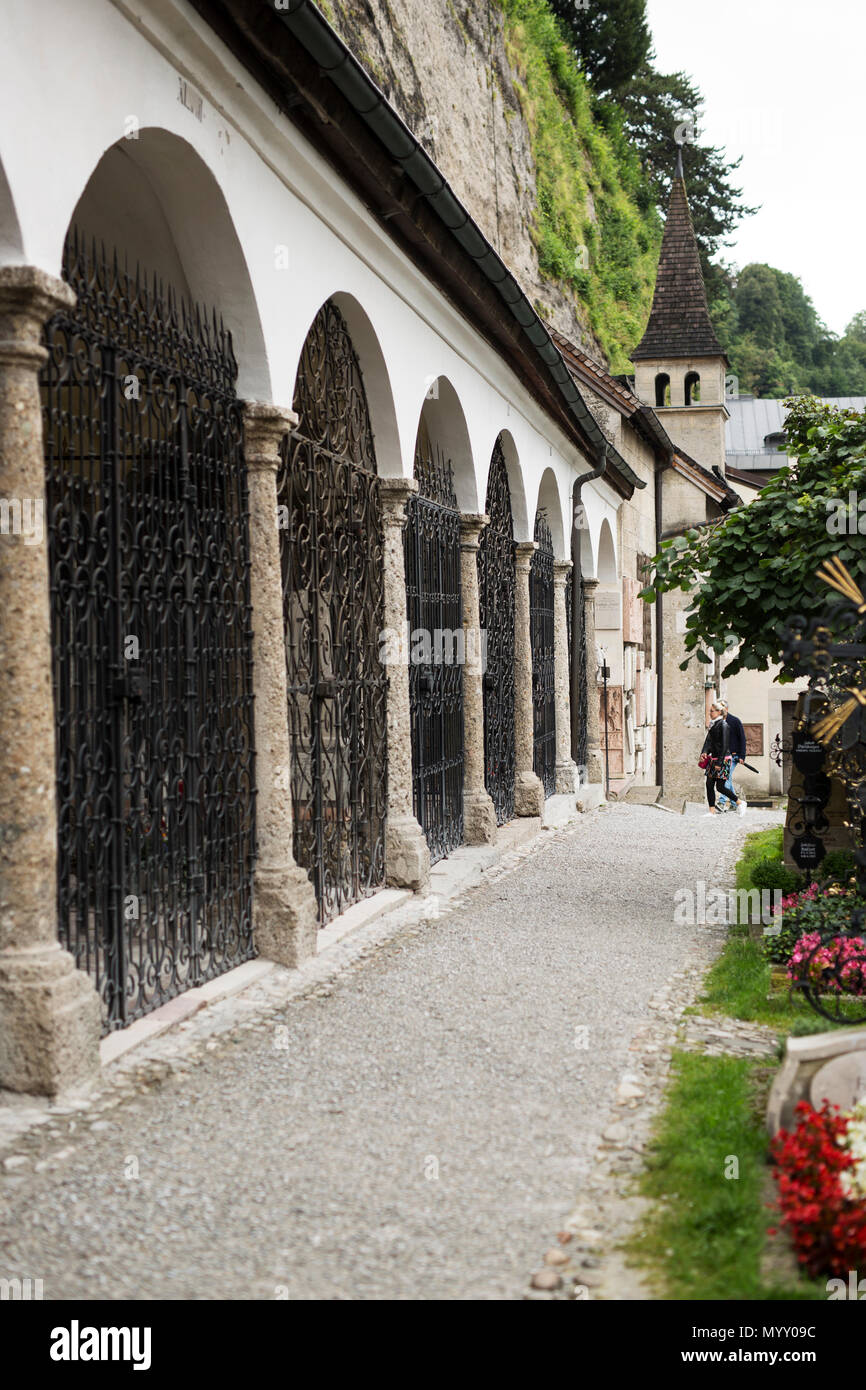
x: 632, y: 611
x: 608, y: 610
x: 754, y: 740
x: 615, y: 727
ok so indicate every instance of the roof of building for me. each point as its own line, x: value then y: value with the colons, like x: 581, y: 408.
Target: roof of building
x: 612, y: 388
x: 617, y: 392
x: 712, y: 479
x: 679, y: 322
x: 753, y: 479
x: 755, y: 420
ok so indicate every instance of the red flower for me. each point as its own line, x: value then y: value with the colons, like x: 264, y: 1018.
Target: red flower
x: 828, y: 1228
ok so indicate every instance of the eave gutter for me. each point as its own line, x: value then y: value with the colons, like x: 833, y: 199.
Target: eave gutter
x: 308, y: 25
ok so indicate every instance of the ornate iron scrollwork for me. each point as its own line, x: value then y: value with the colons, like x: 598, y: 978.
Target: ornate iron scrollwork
x: 333, y: 614
x: 435, y: 613
x: 581, y: 753
x: 779, y: 750
x: 831, y: 973
x: 496, y: 579
x: 541, y: 632
x: 150, y: 616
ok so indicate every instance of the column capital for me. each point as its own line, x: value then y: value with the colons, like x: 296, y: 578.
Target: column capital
x: 562, y: 571
x: 523, y: 553
x: 265, y: 424
x: 394, y: 493
x: 471, y: 526
x: 589, y: 587
x: 28, y: 298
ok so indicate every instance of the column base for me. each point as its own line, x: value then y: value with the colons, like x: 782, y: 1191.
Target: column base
x: 285, y: 915
x: 560, y: 810
x: 528, y: 795
x: 407, y: 855
x: 594, y: 765
x: 566, y: 778
x: 479, y: 818
x: 50, y: 1022
x: 591, y: 796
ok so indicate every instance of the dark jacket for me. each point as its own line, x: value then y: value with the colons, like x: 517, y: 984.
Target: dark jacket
x: 737, y: 736
x: 718, y: 740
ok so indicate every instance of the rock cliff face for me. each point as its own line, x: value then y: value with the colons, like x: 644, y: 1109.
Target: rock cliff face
x: 444, y: 66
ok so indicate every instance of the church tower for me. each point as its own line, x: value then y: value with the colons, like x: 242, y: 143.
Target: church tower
x: 679, y: 363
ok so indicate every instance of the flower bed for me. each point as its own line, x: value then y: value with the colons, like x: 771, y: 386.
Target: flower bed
x: 821, y: 1176
x: 812, y: 910
x: 837, y: 966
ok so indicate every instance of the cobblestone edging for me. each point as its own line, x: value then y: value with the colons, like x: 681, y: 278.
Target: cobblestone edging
x: 27, y: 1122
x: 586, y: 1261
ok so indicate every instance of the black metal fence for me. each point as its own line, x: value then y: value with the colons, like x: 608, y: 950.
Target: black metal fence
x: 150, y: 616
x: 541, y: 636
x: 496, y: 578
x: 333, y: 611
x: 435, y: 615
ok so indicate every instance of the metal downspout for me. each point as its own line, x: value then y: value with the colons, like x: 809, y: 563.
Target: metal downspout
x: 577, y: 615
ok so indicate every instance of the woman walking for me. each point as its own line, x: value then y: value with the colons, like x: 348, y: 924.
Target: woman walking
x: 717, y: 762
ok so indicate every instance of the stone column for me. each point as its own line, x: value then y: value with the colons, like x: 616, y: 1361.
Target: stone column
x: 594, y: 754
x: 528, y: 787
x: 407, y: 855
x: 566, y: 772
x: 478, y: 810
x: 284, y: 900
x: 49, y: 1010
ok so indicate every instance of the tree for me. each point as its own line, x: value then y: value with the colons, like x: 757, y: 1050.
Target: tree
x: 761, y: 370
x: 856, y: 329
x: 759, y: 304
x: 776, y: 343
x: 755, y: 569
x: 611, y: 40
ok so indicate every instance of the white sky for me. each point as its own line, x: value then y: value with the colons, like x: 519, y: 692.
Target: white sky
x: 784, y: 85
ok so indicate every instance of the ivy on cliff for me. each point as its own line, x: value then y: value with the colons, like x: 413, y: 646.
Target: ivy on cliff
x: 596, y: 230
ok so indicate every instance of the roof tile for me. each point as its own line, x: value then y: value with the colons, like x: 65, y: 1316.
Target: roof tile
x: 679, y: 322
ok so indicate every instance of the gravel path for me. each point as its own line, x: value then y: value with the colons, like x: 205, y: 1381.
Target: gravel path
x: 415, y: 1130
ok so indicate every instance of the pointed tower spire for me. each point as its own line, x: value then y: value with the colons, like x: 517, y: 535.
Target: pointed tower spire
x: 679, y: 322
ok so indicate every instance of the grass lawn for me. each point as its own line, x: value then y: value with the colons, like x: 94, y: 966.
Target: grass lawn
x: 738, y: 986
x: 705, y: 1236
x: 761, y: 844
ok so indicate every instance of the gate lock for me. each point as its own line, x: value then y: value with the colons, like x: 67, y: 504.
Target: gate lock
x: 132, y: 686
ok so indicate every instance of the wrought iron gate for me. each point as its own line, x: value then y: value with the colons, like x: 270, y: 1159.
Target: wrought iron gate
x: 435, y: 614
x: 150, y: 617
x: 333, y: 613
x: 541, y: 619
x: 581, y: 753
x: 569, y: 618
x: 496, y: 572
